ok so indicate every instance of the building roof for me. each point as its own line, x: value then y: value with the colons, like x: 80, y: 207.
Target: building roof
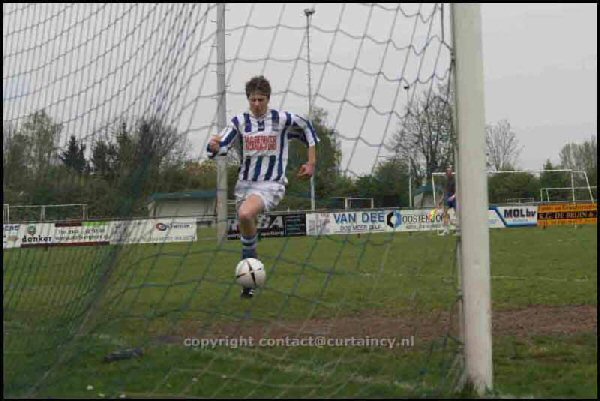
x: 187, y: 195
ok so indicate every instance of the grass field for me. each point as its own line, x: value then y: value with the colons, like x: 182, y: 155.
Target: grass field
x: 66, y: 308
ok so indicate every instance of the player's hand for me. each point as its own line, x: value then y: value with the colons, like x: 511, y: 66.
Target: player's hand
x: 307, y: 170
x: 214, y: 144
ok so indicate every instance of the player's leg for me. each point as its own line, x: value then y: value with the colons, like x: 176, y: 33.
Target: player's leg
x: 261, y: 197
x: 451, y: 204
x: 444, y: 215
x: 248, y: 212
x: 446, y: 218
x: 247, y: 215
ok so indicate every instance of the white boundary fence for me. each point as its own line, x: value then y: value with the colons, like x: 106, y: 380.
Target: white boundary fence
x: 80, y: 214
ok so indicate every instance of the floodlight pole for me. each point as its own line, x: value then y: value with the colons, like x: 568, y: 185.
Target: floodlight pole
x: 221, y: 123
x: 308, y: 12
x: 472, y: 195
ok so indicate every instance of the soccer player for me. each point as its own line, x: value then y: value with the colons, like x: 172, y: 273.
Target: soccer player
x: 449, y: 199
x: 264, y: 134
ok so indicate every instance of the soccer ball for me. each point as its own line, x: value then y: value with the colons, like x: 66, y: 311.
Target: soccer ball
x: 250, y: 273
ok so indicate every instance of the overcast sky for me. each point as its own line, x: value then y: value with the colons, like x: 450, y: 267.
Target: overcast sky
x: 540, y: 64
x: 90, y: 64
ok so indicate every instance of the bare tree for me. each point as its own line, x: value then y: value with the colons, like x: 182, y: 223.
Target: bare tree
x: 581, y: 157
x: 502, y: 146
x: 426, y: 135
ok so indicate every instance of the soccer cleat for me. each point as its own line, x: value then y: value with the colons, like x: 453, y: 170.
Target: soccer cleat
x: 247, y: 293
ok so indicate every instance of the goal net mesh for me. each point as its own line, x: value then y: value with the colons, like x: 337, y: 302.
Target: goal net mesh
x: 108, y: 104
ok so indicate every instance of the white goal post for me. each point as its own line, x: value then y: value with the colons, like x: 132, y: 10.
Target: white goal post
x: 572, y: 173
x: 474, y: 240
x: 348, y: 201
x: 547, y: 190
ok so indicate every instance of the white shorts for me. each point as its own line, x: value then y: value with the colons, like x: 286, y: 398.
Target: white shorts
x: 271, y: 193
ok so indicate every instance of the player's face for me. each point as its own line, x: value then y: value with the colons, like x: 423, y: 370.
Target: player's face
x: 258, y: 104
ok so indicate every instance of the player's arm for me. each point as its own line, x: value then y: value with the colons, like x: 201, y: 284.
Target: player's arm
x: 307, y: 170
x: 220, y: 144
x: 311, y: 139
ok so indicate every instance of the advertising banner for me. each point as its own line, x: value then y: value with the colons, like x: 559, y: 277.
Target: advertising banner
x: 494, y: 219
x: 12, y: 236
x: 38, y: 234
x: 88, y: 233
x: 153, y: 231
x: 351, y: 222
x: 567, y: 213
x: 518, y: 216
x: 417, y: 220
x: 283, y: 225
x: 380, y: 221
x: 374, y: 221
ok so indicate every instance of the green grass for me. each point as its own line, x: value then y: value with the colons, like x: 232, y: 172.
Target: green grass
x: 547, y: 366
x: 65, y: 308
x: 252, y: 372
x: 532, y: 266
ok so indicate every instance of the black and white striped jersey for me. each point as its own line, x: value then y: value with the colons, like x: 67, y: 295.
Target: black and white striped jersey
x: 264, y: 142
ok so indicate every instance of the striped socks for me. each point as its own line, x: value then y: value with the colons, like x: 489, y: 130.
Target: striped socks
x: 249, y: 246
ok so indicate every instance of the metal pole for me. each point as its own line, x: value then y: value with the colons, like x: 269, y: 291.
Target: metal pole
x: 457, y: 209
x: 473, y: 195
x: 221, y: 124
x: 309, y: 12
x: 433, y: 191
x: 573, y: 186
x: 410, y: 199
x: 588, y: 186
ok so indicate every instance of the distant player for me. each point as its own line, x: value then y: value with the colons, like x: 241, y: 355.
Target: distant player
x: 264, y: 136
x: 448, y: 200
